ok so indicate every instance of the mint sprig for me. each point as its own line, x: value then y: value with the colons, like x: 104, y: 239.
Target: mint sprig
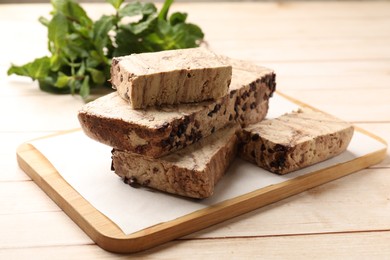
x: 81, y: 49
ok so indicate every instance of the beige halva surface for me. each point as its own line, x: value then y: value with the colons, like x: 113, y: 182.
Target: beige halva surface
x: 295, y: 140
x: 191, y: 172
x: 171, y: 77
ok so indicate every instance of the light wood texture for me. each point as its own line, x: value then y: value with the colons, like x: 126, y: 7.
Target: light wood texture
x: 107, y: 235
x: 365, y: 245
x: 324, y: 53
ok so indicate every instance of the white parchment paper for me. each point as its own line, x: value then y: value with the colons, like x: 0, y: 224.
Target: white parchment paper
x: 85, y: 165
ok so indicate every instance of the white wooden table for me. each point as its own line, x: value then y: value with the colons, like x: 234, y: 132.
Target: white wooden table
x: 332, y: 55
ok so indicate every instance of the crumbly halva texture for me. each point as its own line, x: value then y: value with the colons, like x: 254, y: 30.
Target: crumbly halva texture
x: 294, y: 140
x: 155, y: 132
x: 191, y: 172
x: 171, y: 77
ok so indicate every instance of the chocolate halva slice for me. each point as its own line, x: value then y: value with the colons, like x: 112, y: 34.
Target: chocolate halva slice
x: 294, y: 140
x: 171, y: 77
x: 192, y: 172
x: 156, y: 132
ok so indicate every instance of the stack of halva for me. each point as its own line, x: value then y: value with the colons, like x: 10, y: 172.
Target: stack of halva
x: 179, y: 118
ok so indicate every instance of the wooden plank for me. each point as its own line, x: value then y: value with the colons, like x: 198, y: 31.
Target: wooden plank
x: 57, y: 112
x: 24, y: 197
x: 18, y: 37
x: 332, y: 246
x: 365, y: 245
x: 332, y: 69
x: 10, y: 170
x: 331, y: 75
x: 292, y: 10
x: 339, y: 206
x: 356, y: 105
x: 40, y: 229
x: 296, y: 29
x: 285, y: 49
x: 307, y: 83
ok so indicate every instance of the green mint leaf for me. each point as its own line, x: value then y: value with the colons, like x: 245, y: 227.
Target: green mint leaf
x: 74, y: 85
x: 179, y: 36
x: 58, y: 4
x: 143, y: 26
x: 57, y: 31
x: 77, y: 46
x: 97, y: 76
x: 177, y: 18
x: 37, y: 69
x: 165, y: 33
x: 73, y: 11
x: 76, y: 49
x: 82, y: 30
x: 101, y: 30
x: 94, y: 59
x: 84, y: 88
x: 55, y: 62
x: 115, y: 3
x: 44, y: 21
x: 163, y: 28
x: 81, y: 71
x: 186, y: 35
x: 62, y: 80
x: 127, y: 43
x: 48, y: 85
x: 137, y: 8
x: 148, y: 9
x: 18, y: 70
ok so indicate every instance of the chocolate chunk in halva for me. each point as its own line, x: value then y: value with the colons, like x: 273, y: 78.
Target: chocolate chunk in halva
x: 192, y: 172
x: 294, y: 140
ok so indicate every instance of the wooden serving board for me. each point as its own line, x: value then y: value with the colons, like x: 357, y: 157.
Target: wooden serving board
x: 110, y: 237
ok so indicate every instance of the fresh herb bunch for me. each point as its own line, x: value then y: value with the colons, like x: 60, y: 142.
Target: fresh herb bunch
x: 81, y: 49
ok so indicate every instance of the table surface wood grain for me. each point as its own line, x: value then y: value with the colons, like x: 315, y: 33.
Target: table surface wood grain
x: 334, y: 56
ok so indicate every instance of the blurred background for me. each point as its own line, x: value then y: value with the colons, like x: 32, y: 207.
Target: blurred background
x: 156, y: 1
